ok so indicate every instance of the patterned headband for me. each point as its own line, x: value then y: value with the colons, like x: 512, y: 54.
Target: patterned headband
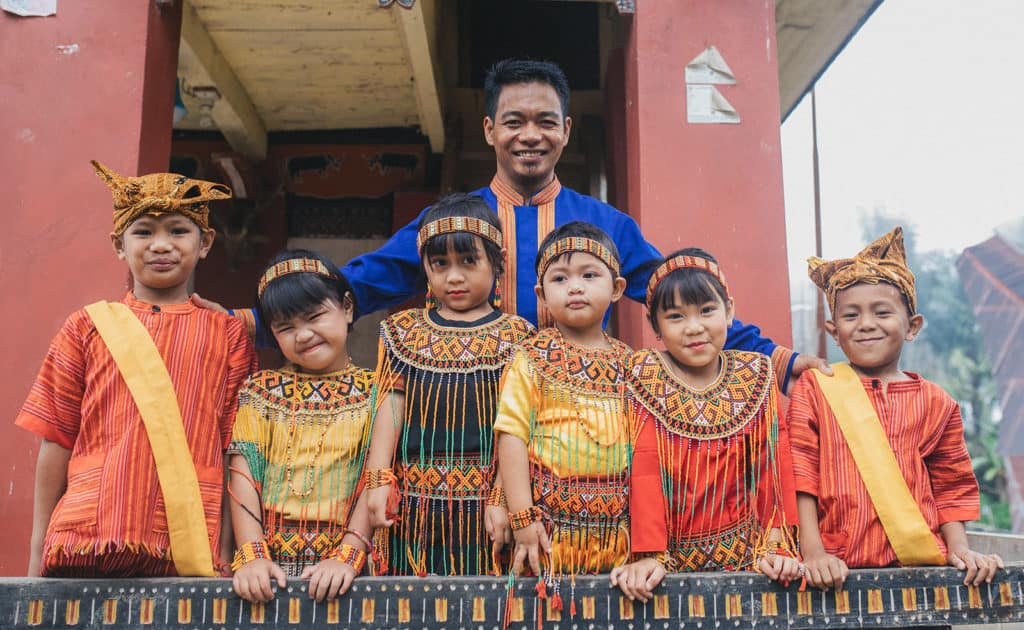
x: 293, y: 265
x: 684, y: 262
x: 450, y: 225
x: 577, y: 244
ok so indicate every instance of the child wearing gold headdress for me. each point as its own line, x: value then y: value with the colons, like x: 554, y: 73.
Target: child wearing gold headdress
x: 882, y: 471
x: 430, y: 468
x: 564, y: 444
x: 712, y: 481
x: 299, y: 439
x: 135, y: 401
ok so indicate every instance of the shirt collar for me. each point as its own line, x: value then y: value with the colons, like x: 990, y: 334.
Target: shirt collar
x: 505, y: 192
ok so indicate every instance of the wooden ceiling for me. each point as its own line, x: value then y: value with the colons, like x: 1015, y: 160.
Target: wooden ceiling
x: 284, y: 65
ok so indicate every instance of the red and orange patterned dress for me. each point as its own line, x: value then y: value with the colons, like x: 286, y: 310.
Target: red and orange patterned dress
x: 711, y: 468
x: 111, y: 519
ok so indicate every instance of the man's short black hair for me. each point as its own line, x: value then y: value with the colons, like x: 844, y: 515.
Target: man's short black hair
x: 691, y: 285
x: 574, y: 229
x: 515, y: 71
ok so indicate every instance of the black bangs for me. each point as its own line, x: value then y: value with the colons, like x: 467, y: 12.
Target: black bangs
x: 692, y: 286
x: 295, y: 294
x: 463, y: 243
x: 462, y: 205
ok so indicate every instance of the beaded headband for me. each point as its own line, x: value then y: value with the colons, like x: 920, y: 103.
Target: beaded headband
x: 577, y: 244
x: 293, y: 265
x: 449, y: 225
x: 684, y: 262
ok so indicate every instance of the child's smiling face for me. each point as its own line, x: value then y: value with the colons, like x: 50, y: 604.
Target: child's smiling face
x: 162, y: 251
x: 694, y: 335
x: 316, y: 340
x: 871, y: 322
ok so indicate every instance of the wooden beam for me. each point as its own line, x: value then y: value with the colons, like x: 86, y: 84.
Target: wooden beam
x: 418, y: 29
x: 201, y: 63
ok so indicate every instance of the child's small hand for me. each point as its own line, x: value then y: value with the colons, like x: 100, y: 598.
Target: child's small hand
x: 377, y: 505
x: 980, y: 567
x: 780, y: 568
x: 252, y: 581
x: 497, y: 526
x: 637, y: 580
x: 530, y: 542
x: 328, y: 579
x: 825, y: 571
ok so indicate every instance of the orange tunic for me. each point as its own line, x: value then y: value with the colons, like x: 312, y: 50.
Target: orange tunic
x: 923, y: 425
x: 711, y: 471
x: 111, y: 519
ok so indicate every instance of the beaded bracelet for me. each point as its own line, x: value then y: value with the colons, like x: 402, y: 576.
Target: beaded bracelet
x: 378, y: 478
x: 496, y: 497
x: 525, y: 518
x: 247, y: 552
x: 362, y: 537
x: 355, y: 558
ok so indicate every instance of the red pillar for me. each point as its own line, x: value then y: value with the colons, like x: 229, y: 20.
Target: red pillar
x: 716, y: 186
x: 96, y: 81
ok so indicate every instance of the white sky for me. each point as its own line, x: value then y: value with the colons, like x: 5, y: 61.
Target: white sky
x: 921, y: 114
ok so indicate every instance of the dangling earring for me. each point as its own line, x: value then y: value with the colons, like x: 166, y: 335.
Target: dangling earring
x: 497, y: 292
x: 431, y: 301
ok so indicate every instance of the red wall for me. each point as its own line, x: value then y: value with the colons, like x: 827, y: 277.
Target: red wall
x: 104, y: 100
x: 717, y: 186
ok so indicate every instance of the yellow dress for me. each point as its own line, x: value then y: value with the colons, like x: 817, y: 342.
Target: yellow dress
x: 567, y: 403
x: 304, y: 438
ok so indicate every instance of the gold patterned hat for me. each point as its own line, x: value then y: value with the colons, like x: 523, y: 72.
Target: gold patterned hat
x: 885, y: 260
x: 159, y: 193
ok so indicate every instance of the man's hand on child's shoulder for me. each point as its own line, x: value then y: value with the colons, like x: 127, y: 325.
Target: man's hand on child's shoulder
x: 980, y: 567
x: 328, y: 579
x: 252, y: 580
x: 210, y: 305
x: 804, y: 362
x: 637, y: 580
x: 825, y: 571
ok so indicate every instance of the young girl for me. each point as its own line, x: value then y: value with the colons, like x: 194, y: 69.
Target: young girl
x: 712, y: 484
x: 438, y: 373
x: 298, y: 443
x: 564, y: 439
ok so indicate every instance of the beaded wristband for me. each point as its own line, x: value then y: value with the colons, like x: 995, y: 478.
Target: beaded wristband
x: 378, y: 478
x: 496, y: 497
x: 355, y: 558
x: 525, y: 518
x: 250, y: 551
x: 362, y: 537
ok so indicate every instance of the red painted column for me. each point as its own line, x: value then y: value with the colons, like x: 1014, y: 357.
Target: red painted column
x: 96, y: 81
x: 716, y: 186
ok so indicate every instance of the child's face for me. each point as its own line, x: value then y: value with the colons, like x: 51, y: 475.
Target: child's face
x: 316, y: 340
x: 161, y: 252
x: 461, y: 283
x: 870, y: 324
x: 694, y: 334
x: 577, y: 289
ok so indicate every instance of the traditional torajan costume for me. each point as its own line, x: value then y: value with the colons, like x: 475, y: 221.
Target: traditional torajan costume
x: 887, y: 464
x: 711, y: 471
x: 390, y: 275
x: 449, y: 373
x: 145, y: 473
x: 304, y: 437
x: 567, y: 403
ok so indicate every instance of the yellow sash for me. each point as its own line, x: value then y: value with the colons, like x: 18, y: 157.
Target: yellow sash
x: 901, y: 518
x: 146, y: 376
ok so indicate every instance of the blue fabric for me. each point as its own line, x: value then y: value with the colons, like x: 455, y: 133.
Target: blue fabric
x: 392, y: 274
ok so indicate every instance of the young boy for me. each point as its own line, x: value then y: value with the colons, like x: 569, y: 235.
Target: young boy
x: 135, y: 401
x: 563, y: 448
x: 882, y: 473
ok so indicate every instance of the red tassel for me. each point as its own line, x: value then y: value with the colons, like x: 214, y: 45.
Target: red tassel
x: 572, y: 607
x: 541, y: 588
x: 556, y: 602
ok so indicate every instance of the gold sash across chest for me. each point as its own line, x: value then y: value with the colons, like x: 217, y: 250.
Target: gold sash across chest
x: 146, y: 376
x: 901, y: 517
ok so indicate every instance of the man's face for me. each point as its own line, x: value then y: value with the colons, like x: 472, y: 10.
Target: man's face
x: 528, y: 133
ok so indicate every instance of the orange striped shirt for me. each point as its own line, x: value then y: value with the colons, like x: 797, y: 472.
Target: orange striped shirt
x: 925, y: 431
x: 79, y: 400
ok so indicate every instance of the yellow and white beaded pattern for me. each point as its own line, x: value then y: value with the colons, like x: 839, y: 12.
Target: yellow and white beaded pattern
x: 293, y: 265
x: 449, y: 225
